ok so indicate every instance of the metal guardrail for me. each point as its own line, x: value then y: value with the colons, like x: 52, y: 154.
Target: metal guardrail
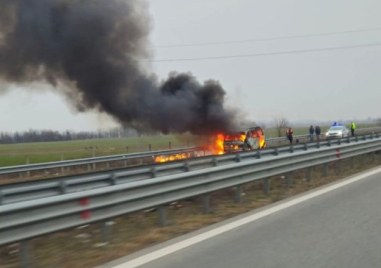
x: 91, y: 160
x: 25, y: 220
x: 63, y: 185
x: 125, y: 157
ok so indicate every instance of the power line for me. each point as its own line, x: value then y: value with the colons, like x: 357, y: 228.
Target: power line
x: 269, y: 38
x: 268, y: 53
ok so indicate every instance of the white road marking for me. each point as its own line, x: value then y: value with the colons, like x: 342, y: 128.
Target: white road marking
x: 230, y: 226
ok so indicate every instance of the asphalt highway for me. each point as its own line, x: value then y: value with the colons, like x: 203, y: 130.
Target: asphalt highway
x: 338, y: 225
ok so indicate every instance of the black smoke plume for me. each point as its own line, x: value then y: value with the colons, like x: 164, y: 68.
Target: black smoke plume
x: 95, y: 47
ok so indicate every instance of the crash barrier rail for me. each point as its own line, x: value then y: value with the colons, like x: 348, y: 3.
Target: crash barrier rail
x: 91, y: 162
x: 24, y: 220
x: 307, y: 137
x: 32, y: 190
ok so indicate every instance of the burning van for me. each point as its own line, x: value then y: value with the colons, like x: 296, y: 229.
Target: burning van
x: 249, y: 139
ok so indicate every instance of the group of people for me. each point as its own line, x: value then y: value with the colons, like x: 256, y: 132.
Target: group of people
x: 315, y: 130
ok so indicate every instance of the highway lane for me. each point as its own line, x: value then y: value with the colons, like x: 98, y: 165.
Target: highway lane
x: 334, y: 226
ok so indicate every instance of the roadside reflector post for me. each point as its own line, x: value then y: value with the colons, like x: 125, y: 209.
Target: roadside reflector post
x: 238, y: 194
x: 25, y: 260
x: 266, y: 185
x: 162, y: 215
x: 206, y: 203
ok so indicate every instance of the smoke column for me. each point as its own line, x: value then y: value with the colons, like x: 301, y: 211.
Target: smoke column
x: 94, y: 47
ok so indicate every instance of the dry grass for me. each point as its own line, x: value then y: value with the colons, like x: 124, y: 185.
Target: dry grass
x: 81, y: 247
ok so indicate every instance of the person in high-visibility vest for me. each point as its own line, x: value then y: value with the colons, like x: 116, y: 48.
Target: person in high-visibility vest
x: 353, y: 127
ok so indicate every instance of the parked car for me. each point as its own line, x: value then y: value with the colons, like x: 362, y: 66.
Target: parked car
x: 337, y: 132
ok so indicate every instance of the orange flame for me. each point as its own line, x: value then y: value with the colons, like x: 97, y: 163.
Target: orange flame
x: 216, y: 144
x: 172, y: 157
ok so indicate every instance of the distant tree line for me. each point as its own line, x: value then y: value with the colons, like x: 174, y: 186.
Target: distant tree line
x: 52, y: 135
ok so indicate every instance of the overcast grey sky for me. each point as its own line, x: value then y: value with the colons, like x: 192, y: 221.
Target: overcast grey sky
x: 334, y: 84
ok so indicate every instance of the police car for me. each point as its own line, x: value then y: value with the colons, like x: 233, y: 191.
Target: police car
x: 337, y: 131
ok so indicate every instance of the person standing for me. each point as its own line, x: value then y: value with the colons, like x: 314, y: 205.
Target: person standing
x: 353, y: 127
x: 289, y: 133
x: 317, y: 132
x: 312, y: 130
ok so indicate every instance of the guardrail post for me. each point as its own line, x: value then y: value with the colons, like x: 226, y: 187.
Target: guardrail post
x: 106, y: 231
x: 108, y: 164
x: 1, y: 197
x: 276, y: 151
x: 308, y: 173
x: 62, y: 168
x: 28, y: 162
x: 113, y: 179
x: 289, y: 179
x: 63, y: 187
x: 317, y: 144
x: 266, y: 185
x: 206, y: 203
x: 25, y: 260
x: 356, y: 138
x: 162, y: 215
x: 352, y: 162
x: 186, y: 166
x: 305, y: 147
x: 215, y: 162
x: 238, y: 158
x: 291, y: 149
x: 258, y: 154
x: 325, y: 169
x: 238, y: 194
x: 153, y: 172
x: 338, y: 141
